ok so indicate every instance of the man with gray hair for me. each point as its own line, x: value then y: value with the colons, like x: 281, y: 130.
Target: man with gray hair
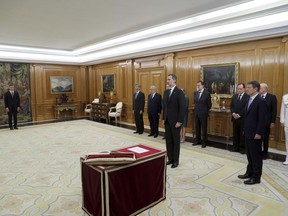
x: 154, y: 110
x: 138, y: 108
x: 272, y: 106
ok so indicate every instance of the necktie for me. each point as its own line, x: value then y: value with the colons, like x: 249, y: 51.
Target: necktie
x: 262, y: 96
x: 239, y: 97
x: 170, y: 93
x: 198, y: 95
x: 12, y: 93
x: 249, y: 102
x: 136, y: 95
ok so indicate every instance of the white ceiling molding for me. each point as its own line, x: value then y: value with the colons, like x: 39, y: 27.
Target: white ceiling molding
x: 254, y: 19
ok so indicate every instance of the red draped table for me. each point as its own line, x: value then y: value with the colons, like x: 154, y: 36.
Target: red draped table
x: 125, y: 189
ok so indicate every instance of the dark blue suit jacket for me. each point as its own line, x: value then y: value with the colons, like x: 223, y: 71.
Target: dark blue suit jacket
x: 203, y: 105
x: 139, y: 102
x: 12, y: 103
x: 154, y: 104
x: 272, y: 107
x: 255, y: 118
x: 174, y: 106
x: 239, y: 106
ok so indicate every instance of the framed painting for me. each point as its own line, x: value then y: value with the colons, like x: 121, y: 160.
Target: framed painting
x: 221, y: 79
x: 61, y: 84
x: 108, y: 83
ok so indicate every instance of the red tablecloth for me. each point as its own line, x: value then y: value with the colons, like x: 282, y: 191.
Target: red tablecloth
x: 125, y: 189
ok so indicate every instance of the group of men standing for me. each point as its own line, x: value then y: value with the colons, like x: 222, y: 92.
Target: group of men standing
x: 253, y: 113
x: 173, y: 107
x: 238, y: 109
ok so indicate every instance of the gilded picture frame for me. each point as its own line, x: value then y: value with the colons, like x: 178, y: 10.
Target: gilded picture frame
x: 221, y: 79
x: 108, y: 83
x: 61, y: 84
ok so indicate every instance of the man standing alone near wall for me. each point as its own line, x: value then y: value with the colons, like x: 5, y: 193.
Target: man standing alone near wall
x: 12, y: 105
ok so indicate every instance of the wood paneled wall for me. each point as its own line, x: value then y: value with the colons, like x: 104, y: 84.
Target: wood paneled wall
x: 264, y: 60
x: 261, y: 60
x: 41, y: 97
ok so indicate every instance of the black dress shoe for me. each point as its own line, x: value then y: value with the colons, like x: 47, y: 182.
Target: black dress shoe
x: 150, y: 134
x: 156, y: 135
x: 16, y: 128
x: 135, y: 132
x: 203, y: 146
x: 11, y: 128
x: 169, y: 162
x: 174, y: 165
x: 252, y: 181
x: 235, y: 150
x: 194, y: 144
x: 140, y: 133
x: 164, y: 137
x: 245, y: 176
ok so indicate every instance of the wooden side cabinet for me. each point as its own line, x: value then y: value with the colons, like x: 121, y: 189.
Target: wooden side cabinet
x: 100, y: 111
x: 219, y: 123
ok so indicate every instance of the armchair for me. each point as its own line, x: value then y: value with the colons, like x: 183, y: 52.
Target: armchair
x: 88, y: 109
x: 115, y: 112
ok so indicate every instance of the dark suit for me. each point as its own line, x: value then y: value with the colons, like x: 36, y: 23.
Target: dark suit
x: 154, y: 109
x: 173, y: 112
x: 201, y: 110
x: 138, y: 104
x: 255, y: 123
x: 272, y: 108
x: 238, y: 106
x: 12, y: 103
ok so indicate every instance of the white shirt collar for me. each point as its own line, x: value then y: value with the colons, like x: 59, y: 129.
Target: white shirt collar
x: 172, y: 89
x: 253, y: 97
x: 264, y: 95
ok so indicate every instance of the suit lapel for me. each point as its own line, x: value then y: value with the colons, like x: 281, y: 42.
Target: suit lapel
x: 252, y: 104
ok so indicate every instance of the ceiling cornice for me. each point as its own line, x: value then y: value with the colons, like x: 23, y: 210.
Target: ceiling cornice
x: 251, y: 20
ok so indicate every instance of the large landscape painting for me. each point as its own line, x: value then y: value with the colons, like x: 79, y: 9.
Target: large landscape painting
x: 61, y: 84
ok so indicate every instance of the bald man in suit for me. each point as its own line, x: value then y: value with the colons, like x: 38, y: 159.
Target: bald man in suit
x: 154, y: 110
x: 272, y: 106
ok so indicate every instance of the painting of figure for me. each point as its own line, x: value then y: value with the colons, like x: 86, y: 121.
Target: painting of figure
x: 220, y: 78
x: 108, y: 83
